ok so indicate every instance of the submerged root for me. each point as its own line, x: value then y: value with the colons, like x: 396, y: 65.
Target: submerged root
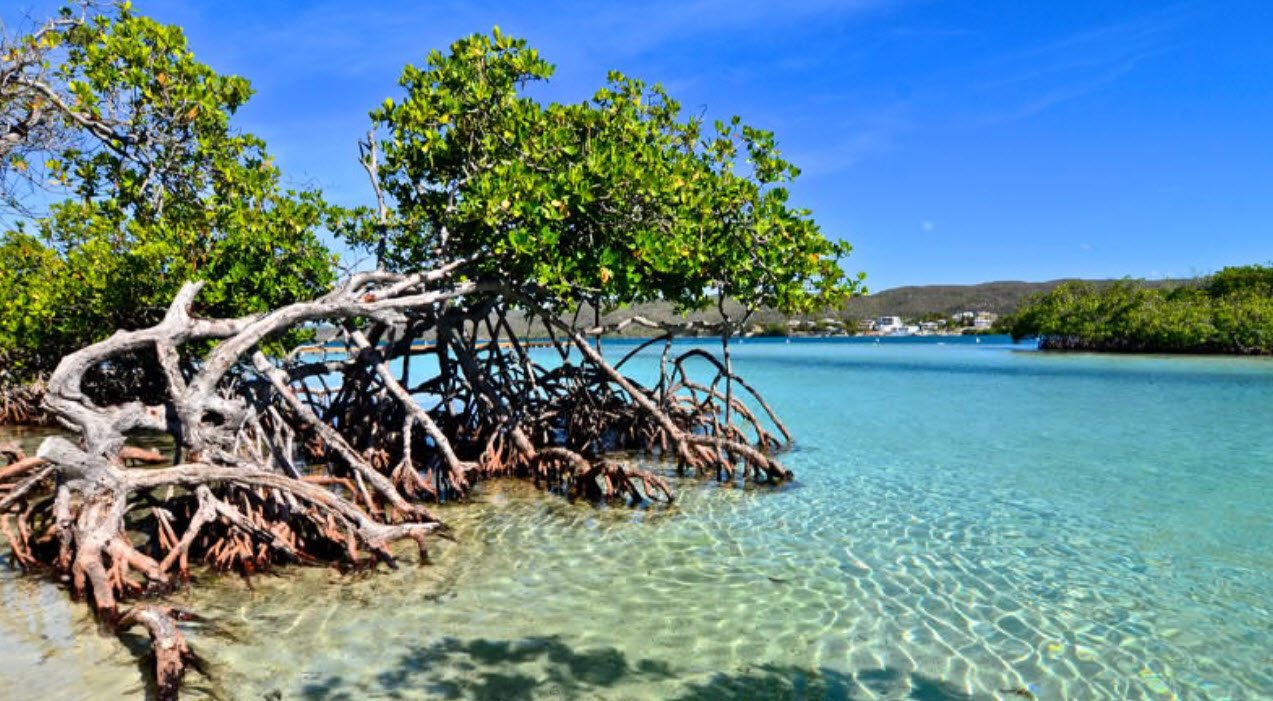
x: 598, y: 480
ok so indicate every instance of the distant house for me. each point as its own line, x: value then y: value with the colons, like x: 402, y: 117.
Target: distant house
x: 890, y: 324
x: 977, y: 320
x: 984, y: 320
x: 929, y: 327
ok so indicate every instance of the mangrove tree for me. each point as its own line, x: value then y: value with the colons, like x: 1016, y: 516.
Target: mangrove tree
x: 488, y: 205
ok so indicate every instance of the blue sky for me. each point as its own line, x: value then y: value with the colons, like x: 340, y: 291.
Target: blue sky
x: 949, y: 142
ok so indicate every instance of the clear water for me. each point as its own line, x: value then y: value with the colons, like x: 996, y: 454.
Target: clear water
x: 970, y: 522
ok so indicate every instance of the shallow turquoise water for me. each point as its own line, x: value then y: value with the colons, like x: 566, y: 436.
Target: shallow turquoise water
x: 969, y: 520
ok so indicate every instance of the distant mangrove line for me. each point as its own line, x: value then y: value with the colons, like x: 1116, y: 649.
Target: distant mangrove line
x: 1230, y: 312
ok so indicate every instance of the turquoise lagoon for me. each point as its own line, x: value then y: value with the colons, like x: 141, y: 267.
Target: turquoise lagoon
x: 970, y: 521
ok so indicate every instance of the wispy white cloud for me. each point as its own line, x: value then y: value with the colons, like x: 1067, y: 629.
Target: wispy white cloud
x: 635, y: 27
x: 928, y: 32
x: 318, y: 66
x: 830, y: 148
x: 1020, y: 83
x: 351, y: 38
x: 1040, y: 98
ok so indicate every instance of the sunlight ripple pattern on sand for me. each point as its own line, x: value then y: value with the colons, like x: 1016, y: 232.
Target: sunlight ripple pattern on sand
x: 971, y: 522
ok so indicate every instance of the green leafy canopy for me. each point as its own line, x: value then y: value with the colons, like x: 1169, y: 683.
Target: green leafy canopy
x: 615, y: 200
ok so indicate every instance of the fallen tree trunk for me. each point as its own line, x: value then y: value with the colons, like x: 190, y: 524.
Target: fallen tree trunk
x: 332, y: 459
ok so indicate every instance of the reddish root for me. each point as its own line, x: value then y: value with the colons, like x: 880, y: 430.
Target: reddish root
x: 171, y: 651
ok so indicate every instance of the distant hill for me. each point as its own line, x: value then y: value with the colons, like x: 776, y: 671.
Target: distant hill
x: 998, y: 297
x: 909, y: 302
x: 918, y: 300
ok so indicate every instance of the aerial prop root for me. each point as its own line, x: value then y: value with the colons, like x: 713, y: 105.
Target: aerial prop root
x: 693, y: 450
x: 723, y: 374
x: 697, y: 439
x: 21, y: 484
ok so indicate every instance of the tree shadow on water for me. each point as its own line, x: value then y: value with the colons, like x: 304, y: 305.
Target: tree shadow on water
x: 495, y: 670
x: 790, y: 683
x: 547, y: 668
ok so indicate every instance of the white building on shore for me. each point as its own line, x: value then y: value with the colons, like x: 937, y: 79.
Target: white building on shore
x: 890, y: 325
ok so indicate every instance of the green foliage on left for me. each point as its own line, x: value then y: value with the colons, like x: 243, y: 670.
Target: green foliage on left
x: 150, y: 186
